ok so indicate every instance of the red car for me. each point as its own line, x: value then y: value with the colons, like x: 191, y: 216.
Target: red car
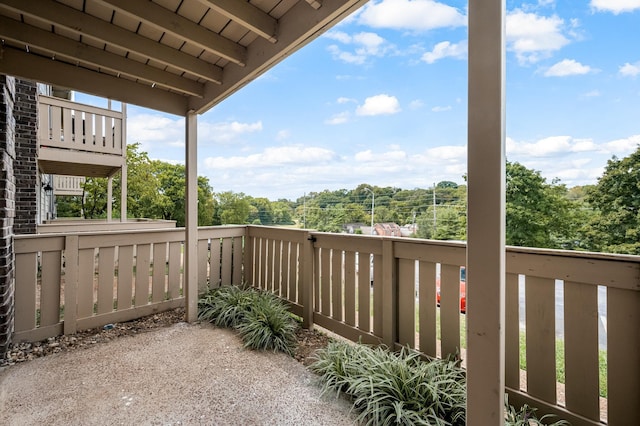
x: 463, y: 290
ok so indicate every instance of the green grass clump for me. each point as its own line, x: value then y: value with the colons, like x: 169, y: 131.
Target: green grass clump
x: 394, y: 388
x: 401, y: 388
x: 263, y: 321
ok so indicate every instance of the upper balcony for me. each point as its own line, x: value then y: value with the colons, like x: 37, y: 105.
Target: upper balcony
x: 79, y: 140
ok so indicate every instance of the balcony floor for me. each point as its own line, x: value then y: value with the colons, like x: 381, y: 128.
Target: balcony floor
x: 182, y: 374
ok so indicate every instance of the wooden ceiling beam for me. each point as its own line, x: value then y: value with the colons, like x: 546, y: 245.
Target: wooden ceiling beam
x: 34, y: 67
x: 70, y: 50
x: 105, y: 32
x: 247, y: 15
x: 168, y: 21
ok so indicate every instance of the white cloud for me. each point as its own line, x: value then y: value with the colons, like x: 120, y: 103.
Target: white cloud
x: 379, y: 105
x: 615, y: 6
x: 630, y: 70
x: 533, y: 37
x: 552, y: 146
x: 226, y: 132
x: 592, y: 94
x: 416, y: 104
x: 272, y: 157
x: 344, y: 100
x: 623, y: 147
x: 446, y: 49
x: 339, y: 118
x: 441, y: 108
x: 365, y: 45
x: 155, y: 129
x: 283, y: 135
x: 567, y: 67
x: 414, y: 15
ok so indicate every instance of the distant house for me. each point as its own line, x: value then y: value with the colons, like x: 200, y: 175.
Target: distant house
x: 353, y: 228
x: 387, y: 229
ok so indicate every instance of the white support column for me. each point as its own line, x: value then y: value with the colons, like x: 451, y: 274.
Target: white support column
x: 123, y: 171
x: 109, y: 198
x: 486, y: 214
x: 191, y: 216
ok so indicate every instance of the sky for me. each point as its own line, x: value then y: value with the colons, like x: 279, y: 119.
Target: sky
x: 382, y: 99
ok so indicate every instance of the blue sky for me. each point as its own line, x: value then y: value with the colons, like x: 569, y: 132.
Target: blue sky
x: 382, y: 99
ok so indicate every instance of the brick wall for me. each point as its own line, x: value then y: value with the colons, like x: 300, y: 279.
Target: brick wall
x: 7, y: 209
x: 26, y: 166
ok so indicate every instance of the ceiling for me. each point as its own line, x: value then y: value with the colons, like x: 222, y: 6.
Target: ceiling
x: 174, y: 56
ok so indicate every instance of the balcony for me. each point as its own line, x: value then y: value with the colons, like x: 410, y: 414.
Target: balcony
x: 118, y: 276
x: 68, y: 185
x: 79, y: 140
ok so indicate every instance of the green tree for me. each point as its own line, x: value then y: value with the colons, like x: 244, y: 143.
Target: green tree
x: 615, y: 227
x: 539, y: 214
x: 233, y: 208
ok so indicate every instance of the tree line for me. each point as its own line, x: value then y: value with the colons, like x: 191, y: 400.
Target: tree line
x: 604, y: 217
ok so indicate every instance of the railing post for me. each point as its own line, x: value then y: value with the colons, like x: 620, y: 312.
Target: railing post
x: 306, y: 281
x: 389, y: 295
x: 70, y: 284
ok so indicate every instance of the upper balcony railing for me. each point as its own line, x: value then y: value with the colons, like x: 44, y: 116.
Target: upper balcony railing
x: 68, y: 185
x: 80, y: 140
x: 572, y: 346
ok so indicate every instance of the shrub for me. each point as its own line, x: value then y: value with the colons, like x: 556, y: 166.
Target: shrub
x: 401, y: 388
x: 262, y: 319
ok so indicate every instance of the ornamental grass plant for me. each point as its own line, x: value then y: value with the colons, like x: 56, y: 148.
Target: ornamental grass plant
x: 263, y: 321
x: 401, y: 388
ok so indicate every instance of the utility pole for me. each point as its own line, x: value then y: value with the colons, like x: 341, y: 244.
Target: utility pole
x: 304, y: 210
x: 373, y: 205
x: 434, y: 207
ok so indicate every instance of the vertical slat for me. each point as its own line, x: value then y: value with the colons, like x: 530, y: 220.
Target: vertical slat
x: 125, y: 277
x: 106, y: 258
x: 108, y: 133
x: 25, y: 292
x: 203, y: 263
x: 50, y: 288
x: 325, y: 284
x: 623, y: 356
x: 227, y: 250
x: 78, y: 129
x: 44, y: 123
x: 378, y: 300
x: 143, y: 254
x: 117, y: 138
x: 264, y: 263
x: 450, y: 309
x: 70, y: 284
x: 269, y: 281
x: 214, y: 262
x: 86, y: 272
x: 249, y: 258
x: 427, y: 308
x: 284, y: 270
x: 350, y: 286
x: 512, y: 332
x: 336, y: 285
x: 294, y: 279
x: 277, y: 272
x: 88, y: 130
x: 56, y: 123
x: 67, y: 127
x: 406, y: 303
x: 98, y: 144
x: 160, y: 271
x: 581, y: 349
x: 541, y: 343
x: 364, y: 297
x: 306, y: 282
x: 175, y: 257
x: 237, y: 261
x: 284, y: 267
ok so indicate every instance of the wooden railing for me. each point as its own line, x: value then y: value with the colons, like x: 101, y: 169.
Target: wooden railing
x: 68, y: 185
x: 326, y: 277
x: 365, y: 288
x: 71, y: 282
x: 68, y: 125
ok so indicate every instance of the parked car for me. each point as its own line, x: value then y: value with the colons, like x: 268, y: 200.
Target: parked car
x: 463, y: 290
